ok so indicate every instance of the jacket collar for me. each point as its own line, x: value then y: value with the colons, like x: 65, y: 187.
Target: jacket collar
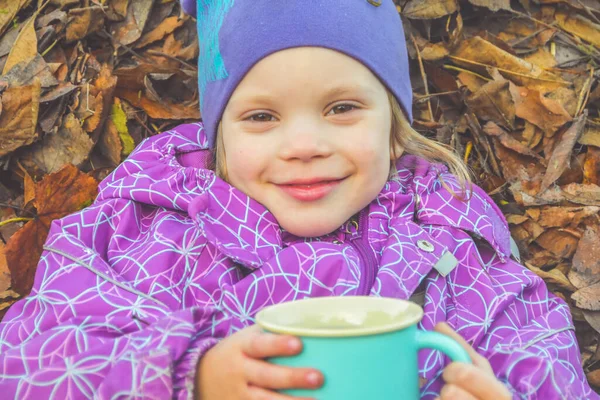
x: 247, y: 232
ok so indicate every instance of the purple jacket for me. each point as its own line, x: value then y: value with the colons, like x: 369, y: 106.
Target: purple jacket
x: 131, y: 291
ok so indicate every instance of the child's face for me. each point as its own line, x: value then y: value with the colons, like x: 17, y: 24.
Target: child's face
x: 307, y: 134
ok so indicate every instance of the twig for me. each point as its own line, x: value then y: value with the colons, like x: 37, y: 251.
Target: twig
x: 467, y: 71
x: 13, y: 220
x: 423, y: 77
x: 170, y: 57
x: 508, y: 71
x: 585, y: 93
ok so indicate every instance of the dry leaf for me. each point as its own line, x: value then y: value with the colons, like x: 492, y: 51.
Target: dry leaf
x: 57, y: 195
x: 478, y: 54
x: 4, y: 271
x: 494, y: 102
x: 585, y: 270
x: 130, y: 30
x: 167, y: 26
x: 553, y: 276
x: 590, y: 136
x: 18, y: 119
x: 84, y: 21
x: 110, y: 144
x: 539, y: 110
x: 591, y: 167
x: 494, y: 5
x: 69, y: 145
x: 561, y: 157
x: 579, y: 26
x: 588, y: 297
x: 24, y: 49
x: 557, y: 217
x: 586, y: 194
x: 160, y: 110
x: 508, y: 141
x: 559, y: 242
x: 428, y: 9
x: 10, y: 9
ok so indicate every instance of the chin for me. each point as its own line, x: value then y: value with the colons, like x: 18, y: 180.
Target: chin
x: 309, y: 227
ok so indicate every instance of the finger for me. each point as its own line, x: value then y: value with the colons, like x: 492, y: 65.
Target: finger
x: 271, y: 376
x: 453, y: 392
x: 257, y: 393
x: 475, y: 381
x: 263, y: 345
x: 476, y: 358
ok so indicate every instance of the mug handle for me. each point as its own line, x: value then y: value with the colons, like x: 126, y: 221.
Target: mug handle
x: 443, y: 343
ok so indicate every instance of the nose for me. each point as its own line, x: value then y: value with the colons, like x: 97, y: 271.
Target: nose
x: 305, y: 140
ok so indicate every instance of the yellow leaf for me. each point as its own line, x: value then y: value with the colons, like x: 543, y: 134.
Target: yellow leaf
x: 24, y: 48
x: 579, y: 26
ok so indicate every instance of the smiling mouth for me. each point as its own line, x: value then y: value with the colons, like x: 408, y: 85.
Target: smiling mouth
x: 308, y: 191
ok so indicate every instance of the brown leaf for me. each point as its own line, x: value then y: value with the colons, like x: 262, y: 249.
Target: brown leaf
x: 168, y: 25
x: 160, y: 110
x: 585, y: 270
x: 110, y: 144
x: 478, y: 54
x: 591, y: 167
x: 557, y: 217
x: 57, y: 195
x: 29, y: 185
x: 428, y: 9
x: 508, y: 141
x: 10, y: 9
x: 69, y: 145
x: 554, y: 276
x: 4, y: 272
x: 20, y: 108
x: 24, y: 49
x: 579, y: 26
x: 539, y: 110
x: 84, y: 21
x: 588, y: 297
x: 586, y: 194
x: 130, y: 30
x: 561, y: 156
x: 559, y: 242
x: 591, y: 135
x: 494, y: 5
x: 494, y: 102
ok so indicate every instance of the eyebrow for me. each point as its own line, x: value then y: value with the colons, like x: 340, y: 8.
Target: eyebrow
x: 333, y: 91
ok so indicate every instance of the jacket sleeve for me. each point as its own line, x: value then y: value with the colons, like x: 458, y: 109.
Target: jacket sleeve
x: 535, y: 351
x: 85, y: 331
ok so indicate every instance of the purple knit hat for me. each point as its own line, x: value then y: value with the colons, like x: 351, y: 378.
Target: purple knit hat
x: 236, y: 34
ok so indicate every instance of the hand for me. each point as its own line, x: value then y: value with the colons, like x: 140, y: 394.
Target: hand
x: 470, y: 381
x: 235, y: 368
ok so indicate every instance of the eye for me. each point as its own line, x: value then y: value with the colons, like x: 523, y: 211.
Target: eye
x: 341, y: 109
x: 260, y: 117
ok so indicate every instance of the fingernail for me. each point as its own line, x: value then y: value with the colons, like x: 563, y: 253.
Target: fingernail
x: 294, y: 344
x: 313, y: 378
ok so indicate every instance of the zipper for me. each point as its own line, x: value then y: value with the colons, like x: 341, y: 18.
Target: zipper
x: 366, y: 257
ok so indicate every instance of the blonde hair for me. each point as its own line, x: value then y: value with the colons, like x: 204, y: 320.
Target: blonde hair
x: 402, y: 135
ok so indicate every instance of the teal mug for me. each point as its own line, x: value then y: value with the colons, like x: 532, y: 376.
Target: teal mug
x: 366, y: 347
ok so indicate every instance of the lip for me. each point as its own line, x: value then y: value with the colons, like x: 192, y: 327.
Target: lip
x: 310, y: 189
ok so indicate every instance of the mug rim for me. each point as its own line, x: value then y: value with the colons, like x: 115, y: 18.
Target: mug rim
x: 412, y: 314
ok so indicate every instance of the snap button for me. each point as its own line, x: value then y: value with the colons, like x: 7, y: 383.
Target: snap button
x: 425, y: 246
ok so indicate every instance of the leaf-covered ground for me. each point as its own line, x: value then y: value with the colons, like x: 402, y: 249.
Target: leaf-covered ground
x: 511, y: 86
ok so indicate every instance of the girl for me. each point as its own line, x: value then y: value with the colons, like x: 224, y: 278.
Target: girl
x: 319, y: 187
